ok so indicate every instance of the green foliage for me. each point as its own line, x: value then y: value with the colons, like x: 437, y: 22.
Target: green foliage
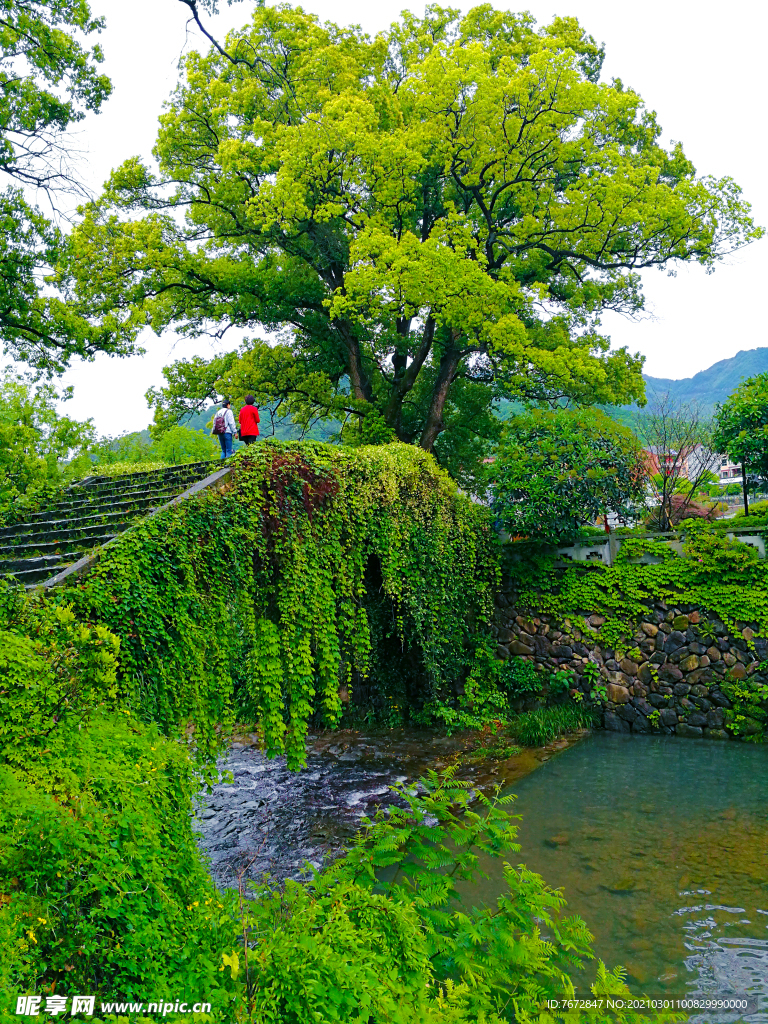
x: 521, y: 678
x: 49, y: 82
x: 98, y: 864
x: 388, y: 933
x: 173, y: 447
x: 39, y: 448
x: 748, y: 717
x: 255, y: 600
x: 723, y: 576
x: 557, y: 471
x: 741, y: 426
x: 543, y: 725
x: 403, y: 223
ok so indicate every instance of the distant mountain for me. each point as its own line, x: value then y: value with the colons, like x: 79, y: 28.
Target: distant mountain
x: 713, y: 385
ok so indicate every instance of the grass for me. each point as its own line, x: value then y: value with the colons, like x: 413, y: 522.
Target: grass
x: 539, y: 727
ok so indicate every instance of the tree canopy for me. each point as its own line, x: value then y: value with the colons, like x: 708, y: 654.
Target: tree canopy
x: 557, y: 471
x: 39, y: 447
x: 48, y: 81
x: 741, y: 428
x: 430, y: 220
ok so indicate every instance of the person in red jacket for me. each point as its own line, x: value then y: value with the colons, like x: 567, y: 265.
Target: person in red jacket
x: 249, y: 421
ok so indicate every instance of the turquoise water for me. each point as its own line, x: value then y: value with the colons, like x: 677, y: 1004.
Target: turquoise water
x: 661, y: 845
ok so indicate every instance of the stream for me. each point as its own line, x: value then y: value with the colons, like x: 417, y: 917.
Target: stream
x: 660, y: 844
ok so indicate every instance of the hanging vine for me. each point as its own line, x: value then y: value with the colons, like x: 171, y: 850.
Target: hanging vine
x: 251, y: 603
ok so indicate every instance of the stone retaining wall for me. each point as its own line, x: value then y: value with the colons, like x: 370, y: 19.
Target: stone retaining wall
x: 676, y: 661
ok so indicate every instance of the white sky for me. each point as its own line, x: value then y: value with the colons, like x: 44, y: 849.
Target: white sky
x: 701, y: 67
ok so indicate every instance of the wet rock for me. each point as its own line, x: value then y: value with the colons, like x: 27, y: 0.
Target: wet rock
x: 674, y: 641
x: 629, y: 666
x: 649, y: 629
x: 618, y: 694
x: 613, y: 723
x: 627, y: 712
x: 697, y: 648
x: 502, y: 652
x: 690, y: 731
x: 561, y: 651
x: 716, y: 734
x: 697, y: 718
x: 555, y: 842
x: 690, y: 663
x: 668, y: 717
x: 738, y: 672
x: 518, y: 647
x: 715, y: 718
x: 642, y: 705
x: 681, y: 689
x: 713, y: 654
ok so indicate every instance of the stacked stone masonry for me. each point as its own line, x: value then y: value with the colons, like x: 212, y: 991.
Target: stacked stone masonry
x: 675, y: 662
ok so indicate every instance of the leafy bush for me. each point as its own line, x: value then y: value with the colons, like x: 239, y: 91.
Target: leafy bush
x: 556, y: 472
x: 521, y: 678
x: 101, y: 885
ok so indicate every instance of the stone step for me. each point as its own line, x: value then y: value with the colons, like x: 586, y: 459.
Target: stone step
x: 122, y: 511
x: 192, y: 471
x: 89, y: 536
x: 31, y: 576
x: 50, y: 563
x: 59, y: 512
x: 70, y: 554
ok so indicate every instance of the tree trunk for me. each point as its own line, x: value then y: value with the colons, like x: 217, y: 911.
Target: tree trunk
x: 434, y: 424
x: 744, y: 487
x: 406, y: 378
x: 361, y: 386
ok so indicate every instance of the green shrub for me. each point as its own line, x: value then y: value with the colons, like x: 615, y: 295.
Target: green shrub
x: 521, y: 679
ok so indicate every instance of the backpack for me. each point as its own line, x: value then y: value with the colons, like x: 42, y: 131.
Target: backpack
x: 219, y: 423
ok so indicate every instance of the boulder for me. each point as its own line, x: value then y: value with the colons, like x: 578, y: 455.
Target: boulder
x: 680, y: 622
x: 613, y: 723
x: 629, y: 666
x: 738, y: 672
x: 518, y: 647
x: 618, y: 694
x: 649, y: 629
x: 691, y: 731
x: 715, y: 718
x: 716, y: 734
x: 697, y: 718
x: 713, y: 654
x: 668, y: 717
x: 690, y: 663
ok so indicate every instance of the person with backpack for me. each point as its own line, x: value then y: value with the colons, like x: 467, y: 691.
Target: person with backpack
x: 249, y: 421
x: 224, y: 427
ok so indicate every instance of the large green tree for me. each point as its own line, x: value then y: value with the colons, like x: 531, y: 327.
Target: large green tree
x: 431, y: 219
x: 48, y: 81
x: 741, y: 429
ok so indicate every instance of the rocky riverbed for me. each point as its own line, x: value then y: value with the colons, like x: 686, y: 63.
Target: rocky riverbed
x: 270, y: 820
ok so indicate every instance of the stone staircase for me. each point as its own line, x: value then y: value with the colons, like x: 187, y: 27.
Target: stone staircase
x: 89, y: 514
